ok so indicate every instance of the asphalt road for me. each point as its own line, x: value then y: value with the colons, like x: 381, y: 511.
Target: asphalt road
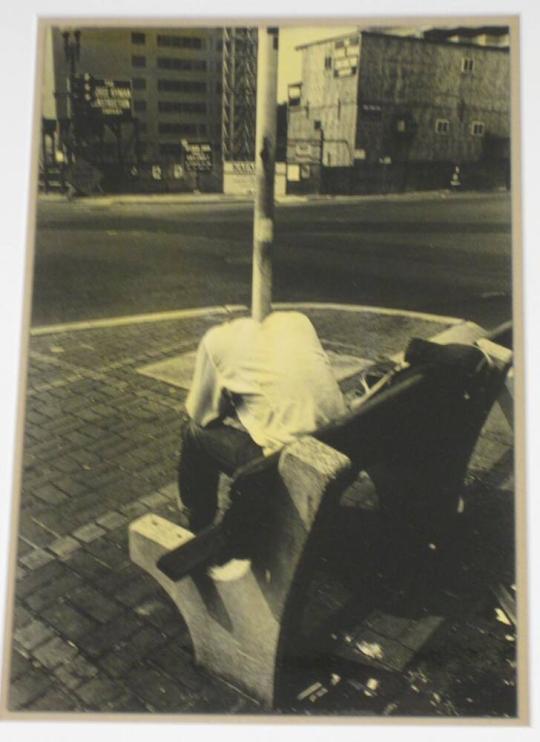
x: 441, y: 253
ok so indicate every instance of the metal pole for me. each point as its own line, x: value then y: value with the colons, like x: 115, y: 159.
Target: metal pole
x: 265, y: 154
x: 137, y: 146
x: 44, y: 155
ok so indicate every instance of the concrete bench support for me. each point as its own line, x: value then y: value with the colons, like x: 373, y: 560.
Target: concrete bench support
x: 414, y: 439
x: 238, y: 615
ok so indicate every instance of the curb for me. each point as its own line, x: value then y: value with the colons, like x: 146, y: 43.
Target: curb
x: 205, y: 199
x: 227, y: 309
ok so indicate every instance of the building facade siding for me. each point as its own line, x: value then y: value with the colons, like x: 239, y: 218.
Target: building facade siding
x: 421, y: 82
x: 401, y: 112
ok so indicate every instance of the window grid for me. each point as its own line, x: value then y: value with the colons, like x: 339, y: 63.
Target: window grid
x: 169, y: 106
x: 478, y: 128
x: 172, y: 63
x: 168, y: 128
x: 170, y: 148
x: 181, y: 86
x: 442, y: 126
x: 183, y: 42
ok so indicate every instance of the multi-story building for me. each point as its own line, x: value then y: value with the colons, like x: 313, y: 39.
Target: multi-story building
x: 376, y: 111
x: 175, y: 76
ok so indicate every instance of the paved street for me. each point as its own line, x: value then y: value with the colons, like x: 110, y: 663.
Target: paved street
x: 439, y: 252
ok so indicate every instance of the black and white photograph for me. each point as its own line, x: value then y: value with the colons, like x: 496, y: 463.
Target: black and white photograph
x: 271, y: 386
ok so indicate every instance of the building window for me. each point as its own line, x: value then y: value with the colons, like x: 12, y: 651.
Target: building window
x: 169, y: 148
x: 139, y: 83
x: 138, y: 61
x: 442, y: 126
x: 181, y: 86
x: 317, y: 125
x: 177, y: 128
x: 183, y: 42
x: 371, y: 112
x: 478, y: 129
x: 172, y: 63
x: 138, y: 38
x: 294, y: 94
x: 173, y: 106
x: 328, y: 63
x: 467, y: 64
x: 139, y: 105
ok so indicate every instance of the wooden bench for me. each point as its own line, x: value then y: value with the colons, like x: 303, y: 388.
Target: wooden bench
x: 413, y: 438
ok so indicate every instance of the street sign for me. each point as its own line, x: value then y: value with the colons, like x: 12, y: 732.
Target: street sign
x: 346, y: 56
x: 111, y: 97
x: 239, y: 167
x: 304, y: 151
x: 197, y: 156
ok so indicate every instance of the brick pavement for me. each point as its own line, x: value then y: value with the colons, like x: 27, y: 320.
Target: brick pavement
x: 93, y: 633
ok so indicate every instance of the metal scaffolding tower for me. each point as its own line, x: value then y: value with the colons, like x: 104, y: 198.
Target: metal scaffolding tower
x: 239, y: 94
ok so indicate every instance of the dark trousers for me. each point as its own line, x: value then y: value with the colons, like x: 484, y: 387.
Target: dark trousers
x: 206, y: 452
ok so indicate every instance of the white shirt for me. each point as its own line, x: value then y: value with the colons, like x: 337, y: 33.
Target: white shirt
x: 277, y: 367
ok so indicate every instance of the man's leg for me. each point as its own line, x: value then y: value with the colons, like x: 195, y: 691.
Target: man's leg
x: 249, y: 509
x: 205, y: 453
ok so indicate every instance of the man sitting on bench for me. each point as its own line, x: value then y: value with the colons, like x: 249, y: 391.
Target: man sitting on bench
x: 275, y: 381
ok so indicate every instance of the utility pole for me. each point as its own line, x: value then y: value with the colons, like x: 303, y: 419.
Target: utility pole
x: 265, y: 155
x: 72, y: 55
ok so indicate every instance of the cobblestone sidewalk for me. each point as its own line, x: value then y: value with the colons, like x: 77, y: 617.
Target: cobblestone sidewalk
x: 93, y: 633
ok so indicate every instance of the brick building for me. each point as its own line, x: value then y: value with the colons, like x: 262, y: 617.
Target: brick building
x: 175, y: 75
x: 381, y: 112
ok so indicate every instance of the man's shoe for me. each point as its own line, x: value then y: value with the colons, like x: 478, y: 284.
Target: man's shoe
x: 232, y: 569
x: 204, y: 548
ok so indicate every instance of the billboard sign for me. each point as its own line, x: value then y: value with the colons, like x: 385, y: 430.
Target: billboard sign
x: 90, y: 95
x: 346, y: 57
x: 111, y: 97
x: 239, y: 167
x: 305, y: 151
x: 197, y: 156
x: 238, y: 176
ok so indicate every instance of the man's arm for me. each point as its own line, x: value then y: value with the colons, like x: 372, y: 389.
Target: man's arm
x: 204, y: 402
